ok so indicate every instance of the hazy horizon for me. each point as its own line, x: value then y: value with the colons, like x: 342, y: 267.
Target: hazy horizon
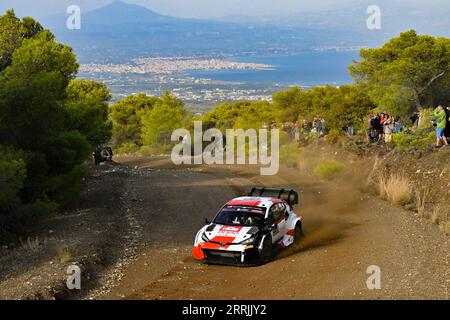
x: 204, y: 9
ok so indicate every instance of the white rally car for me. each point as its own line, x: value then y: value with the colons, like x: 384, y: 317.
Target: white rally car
x: 248, y: 229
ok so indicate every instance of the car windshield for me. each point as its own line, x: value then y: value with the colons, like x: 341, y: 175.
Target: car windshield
x: 240, y: 216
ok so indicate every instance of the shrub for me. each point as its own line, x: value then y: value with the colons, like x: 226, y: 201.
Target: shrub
x: 328, y: 170
x: 65, y: 254
x: 334, y: 136
x: 396, y: 189
x: 357, y: 146
x: 435, y: 215
x: 420, y: 202
x: 290, y: 153
x: 426, y: 115
x: 128, y: 147
x: 420, y: 139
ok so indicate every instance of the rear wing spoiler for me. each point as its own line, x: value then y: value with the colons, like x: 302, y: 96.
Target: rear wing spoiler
x: 288, y: 195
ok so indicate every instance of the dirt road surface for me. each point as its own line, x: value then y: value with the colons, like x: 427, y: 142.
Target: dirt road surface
x: 347, y: 231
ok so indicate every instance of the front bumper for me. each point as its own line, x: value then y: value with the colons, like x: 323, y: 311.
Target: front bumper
x: 232, y: 254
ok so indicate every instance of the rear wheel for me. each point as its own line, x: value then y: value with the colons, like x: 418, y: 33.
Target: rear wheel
x: 266, y: 251
x: 298, y: 233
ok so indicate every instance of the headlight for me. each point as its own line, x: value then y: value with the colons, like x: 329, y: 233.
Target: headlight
x: 204, y: 237
x: 248, y: 241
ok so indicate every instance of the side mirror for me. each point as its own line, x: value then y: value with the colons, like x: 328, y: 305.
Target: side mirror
x: 207, y: 221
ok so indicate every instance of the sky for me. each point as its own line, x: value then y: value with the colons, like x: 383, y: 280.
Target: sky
x: 214, y: 8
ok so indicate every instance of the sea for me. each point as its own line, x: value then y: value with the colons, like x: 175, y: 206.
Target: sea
x: 306, y: 69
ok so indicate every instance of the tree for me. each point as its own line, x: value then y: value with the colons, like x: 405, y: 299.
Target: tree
x: 291, y: 103
x: 126, y: 116
x: 406, y: 73
x: 32, y: 90
x: 339, y: 106
x: 44, y: 137
x: 87, y: 110
x: 12, y: 34
x: 159, y: 123
x: 224, y: 115
x: 256, y: 115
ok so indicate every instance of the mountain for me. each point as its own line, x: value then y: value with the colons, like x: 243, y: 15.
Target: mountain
x: 119, y: 32
x: 119, y: 12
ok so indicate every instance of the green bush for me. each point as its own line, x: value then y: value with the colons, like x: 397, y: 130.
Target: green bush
x: 419, y: 139
x: 12, y: 176
x: 356, y: 145
x: 128, y: 147
x: 334, y: 136
x: 426, y: 115
x: 328, y: 170
x: 290, y: 153
x: 126, y: 116
x: 15, y: 215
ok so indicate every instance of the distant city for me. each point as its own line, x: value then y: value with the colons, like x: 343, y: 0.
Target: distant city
x: 155, y: 75
x: 170, y: 65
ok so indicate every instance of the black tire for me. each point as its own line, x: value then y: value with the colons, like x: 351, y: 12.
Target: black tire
x: 298, y: 233
x: 266, y: 252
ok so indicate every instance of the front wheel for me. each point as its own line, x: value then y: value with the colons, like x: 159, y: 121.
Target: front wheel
x: 298, y: 233
x: 266, y: 251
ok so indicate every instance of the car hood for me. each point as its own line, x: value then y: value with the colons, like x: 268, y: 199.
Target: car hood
x: 229, y: 234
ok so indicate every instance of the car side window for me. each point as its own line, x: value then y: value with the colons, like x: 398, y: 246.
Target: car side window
x: 285, y: 210
x: 278, y: 211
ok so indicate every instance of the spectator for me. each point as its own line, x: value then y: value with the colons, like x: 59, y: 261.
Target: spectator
x: 398, y: 127
x: 414, y: 118
x: 350, y: 130
x: 374, y: 124
x: 447, y: 126
x: 322, y: 127
x: 388, y: 128
x: 306, y: 126
x: 316, y: 123
x: 440, y: 121
x: 296, y: 131
x: 378, y: 127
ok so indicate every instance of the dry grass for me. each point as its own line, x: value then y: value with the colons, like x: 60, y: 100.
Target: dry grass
x: 421, y: 199
x: 395, y: 188
x: 64, y: 254
x: 434, y: 217
x: 33, y: 245
x: 445, y: 227
x: 371, y: 178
